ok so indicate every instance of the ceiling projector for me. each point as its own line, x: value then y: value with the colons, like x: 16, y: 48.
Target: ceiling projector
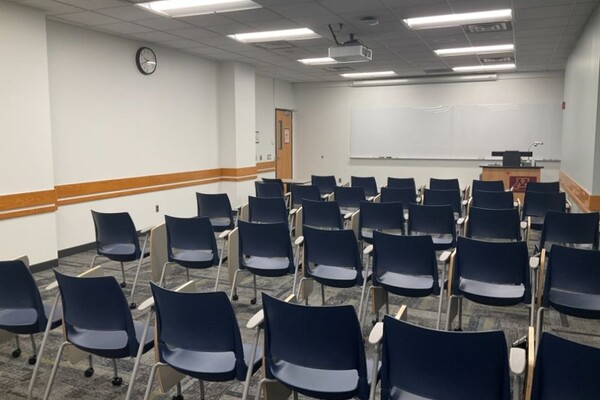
x: 349, y: 52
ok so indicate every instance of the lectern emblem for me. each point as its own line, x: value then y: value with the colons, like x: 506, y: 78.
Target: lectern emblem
x: 519, y: 183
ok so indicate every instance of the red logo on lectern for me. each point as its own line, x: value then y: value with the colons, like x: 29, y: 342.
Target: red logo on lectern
x: 519, y: 183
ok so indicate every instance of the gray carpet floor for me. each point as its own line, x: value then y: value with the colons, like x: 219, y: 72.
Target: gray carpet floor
x: 70, y: 382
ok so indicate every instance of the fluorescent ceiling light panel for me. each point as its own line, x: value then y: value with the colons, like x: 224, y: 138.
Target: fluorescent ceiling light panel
x: 376, y: 74
x: 426, y: 80
x: 318, y: 61
x: 186, y: 8
x: 464, y: 51
x: 491, y: 67
x: 448, y: 20
x: 271, y: 36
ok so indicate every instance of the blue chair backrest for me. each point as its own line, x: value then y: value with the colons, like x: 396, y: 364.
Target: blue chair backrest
x: 410, y: 255
x: 565, y: 370
x: 197, y: 322
x: 543, y: 187
x: 493, y: 200
x: 348, y: 196
x: 215, y: 206
x: 322, y: 214
x: 265, y: 240
x: 268, y: 189
x: 381, y: 216
x: 444, y: 184
x: 403, y: 195
x: 495, y: 262
x: 337, y: 248
x: 570, y: 228
x: 452, y: 198
x: 368, y: 183
x: 18, y: 290
x: 267, y: 209
x: 575, y: 271
x: 325, y: 337
x: 431, y: 219
x: 194, y: 233
x: 485, y: 223
x: 473, y: 365
x: 537, y: 204
x: 402, y: 183
x: 95, y: 303
x: 112, y: 228
x: 326, y: 184
x: 488, y: 186
x: 275, y: 181
x: 302, y: 192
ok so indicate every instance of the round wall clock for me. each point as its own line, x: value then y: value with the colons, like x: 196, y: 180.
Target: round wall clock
x: 145, y: 60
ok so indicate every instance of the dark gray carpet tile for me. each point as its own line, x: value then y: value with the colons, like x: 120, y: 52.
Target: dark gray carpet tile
x: 71, y: 383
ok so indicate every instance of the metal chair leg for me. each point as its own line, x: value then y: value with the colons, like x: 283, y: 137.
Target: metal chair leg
x: 17, y: 351
x: 363, y: 317
x: 90, y: 371
x: 33, y: 357
x: 54, y: 369
x: 116, y: 380
x: 151, y: 379
x: 219, y: 267
x: 259, y: 388
x: 441, y: 302
x: 233, y: 293
x: 250, y: 364
x: 132, y: 304
x: 201, y: 389
x: 124, y: 283
x: 253, y: 301
x: 322, y: 294
x: 138, y: 357
x: 93, y: 261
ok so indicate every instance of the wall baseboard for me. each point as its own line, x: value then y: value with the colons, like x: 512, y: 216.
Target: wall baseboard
x: 77, y: 249
x: 43, y: 266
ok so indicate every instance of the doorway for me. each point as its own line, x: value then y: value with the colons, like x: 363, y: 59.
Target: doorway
x: 283, y: 144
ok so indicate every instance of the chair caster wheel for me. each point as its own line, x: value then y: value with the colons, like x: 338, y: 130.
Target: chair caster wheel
x: 32, y: 360
x: 132, y: 306
x: 123, y: 284
x: 374, y: 321
x: 178, y: 397
x: 253, y: 301
x: 234, y: 297
x: 88, y: 372
x: 117, y: 381
x: 457, y: 329
x: 16, y: 353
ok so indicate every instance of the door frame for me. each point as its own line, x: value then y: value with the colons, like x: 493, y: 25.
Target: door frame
x: 291, y: 140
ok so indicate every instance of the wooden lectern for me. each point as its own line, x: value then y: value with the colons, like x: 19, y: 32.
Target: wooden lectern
x: 513, y: 177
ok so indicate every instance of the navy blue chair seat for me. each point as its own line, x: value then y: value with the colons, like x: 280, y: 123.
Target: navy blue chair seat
x: 198, y: 335
x: 497, y: 200
x: 349, y: 198
x: 423, y: 364
x: 436, y: 221
x: 22, y: 311
x: 315, y: 351
x: 304, y: 192
x: 383, y: 217
x: 325, y: 183
x: 217, y: 208
x: 537, y: 204
x: 267, y: 209
x: 321, y: 214
x: 578, y: 230
x: 266, y: 266
x: 490, y: 273
x: 565, y: 370
x: 108, y: 343
x: 368, y: 183
x: 493, y: 224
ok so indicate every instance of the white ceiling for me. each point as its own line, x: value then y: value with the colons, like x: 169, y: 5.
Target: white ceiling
x: 544, y: 32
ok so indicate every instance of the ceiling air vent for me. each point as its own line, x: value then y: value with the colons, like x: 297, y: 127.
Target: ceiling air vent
x: 438, y: 71
x: 276, y: 45
x: 338, y: 69
x: 489, y: 27
x: 497, y: 60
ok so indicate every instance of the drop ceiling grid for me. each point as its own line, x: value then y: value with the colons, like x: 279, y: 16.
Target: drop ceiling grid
x: 544, y: 31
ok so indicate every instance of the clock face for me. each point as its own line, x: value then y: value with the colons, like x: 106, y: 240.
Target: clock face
x: 146, y: 60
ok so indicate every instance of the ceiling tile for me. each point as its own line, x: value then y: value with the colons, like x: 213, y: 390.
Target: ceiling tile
x: 124, y: 28
x: 163, y: 23
x: 128, y: 13
x: 256, y: 15
x: 182, y: 43
x: 207, y: 20
x: 155, y: 36
x: 93, y: 4
x: 51, y: 7
x: 87, y: 18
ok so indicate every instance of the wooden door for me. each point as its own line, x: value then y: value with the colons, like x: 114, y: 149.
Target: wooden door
x: 283, y: 144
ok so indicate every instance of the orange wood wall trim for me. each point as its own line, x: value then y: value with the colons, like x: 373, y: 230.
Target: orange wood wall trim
x: 45, y: 201
x: 28, y: 199
x: 585, y: 201
x: 266, y: 166
x: 27, y: 211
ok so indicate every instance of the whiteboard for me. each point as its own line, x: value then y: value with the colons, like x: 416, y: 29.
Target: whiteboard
x: 470, y: 131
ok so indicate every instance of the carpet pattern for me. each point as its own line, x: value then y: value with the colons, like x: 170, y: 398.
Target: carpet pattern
x: 70, y: 382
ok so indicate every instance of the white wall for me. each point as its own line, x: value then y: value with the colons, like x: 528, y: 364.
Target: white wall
x: 581, y: 131
x: 118, y: 123
x: 109, y: 121
x: 26, y: 150
x: 322, y: 123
